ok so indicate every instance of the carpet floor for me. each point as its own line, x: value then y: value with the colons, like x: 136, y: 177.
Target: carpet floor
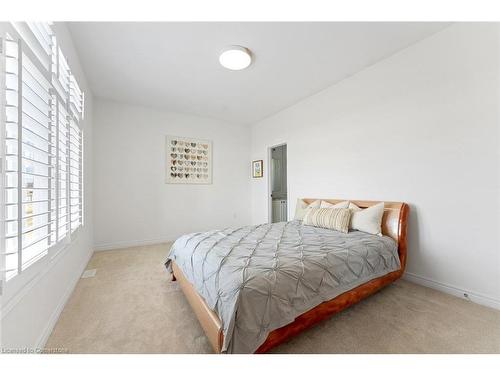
x: 131, y: 306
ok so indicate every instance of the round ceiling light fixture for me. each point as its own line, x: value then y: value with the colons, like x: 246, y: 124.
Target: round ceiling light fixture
x: 235, y: 58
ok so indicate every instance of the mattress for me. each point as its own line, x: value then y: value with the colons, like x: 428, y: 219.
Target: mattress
x: 259, y: 278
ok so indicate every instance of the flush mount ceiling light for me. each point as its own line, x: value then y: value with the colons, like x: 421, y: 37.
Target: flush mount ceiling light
x: 235, y: 58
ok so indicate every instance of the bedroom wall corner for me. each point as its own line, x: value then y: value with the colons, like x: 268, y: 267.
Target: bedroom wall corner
x: 133, y: 204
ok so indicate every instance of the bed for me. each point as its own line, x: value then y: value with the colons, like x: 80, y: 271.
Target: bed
x: 253, y: 288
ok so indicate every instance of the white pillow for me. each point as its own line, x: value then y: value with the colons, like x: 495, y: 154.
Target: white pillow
x: 301, y: 208
x: 352, y: 206
x: 325, y: 204
x: 368, y: 220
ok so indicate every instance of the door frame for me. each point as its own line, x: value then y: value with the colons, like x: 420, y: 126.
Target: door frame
x: 269, y: 182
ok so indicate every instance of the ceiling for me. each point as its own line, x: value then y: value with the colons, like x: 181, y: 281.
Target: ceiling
x: 174, y: 66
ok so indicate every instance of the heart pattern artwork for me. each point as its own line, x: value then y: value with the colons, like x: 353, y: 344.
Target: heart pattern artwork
x: 188, y: 161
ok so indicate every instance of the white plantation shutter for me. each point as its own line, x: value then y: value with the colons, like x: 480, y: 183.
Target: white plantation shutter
x: 42, y: 146
x: 36, y: 159
x: 11, y: 155
x: 62, y: 171
x: 43, y: 35
x: 53, y: 169
x: 76, y: 98
x: 75, y: 175
x: 60, y: 73
x: 37, y: 37
x: 28, y: 161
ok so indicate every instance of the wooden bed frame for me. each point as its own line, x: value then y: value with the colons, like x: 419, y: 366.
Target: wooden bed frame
x: 394, y: 224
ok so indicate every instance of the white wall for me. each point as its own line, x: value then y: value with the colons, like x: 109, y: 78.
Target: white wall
x: 28, y: 319
x: 134, y: 206
x: 423, y: 127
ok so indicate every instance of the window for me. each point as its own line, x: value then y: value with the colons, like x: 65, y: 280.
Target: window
x: 42, y: 145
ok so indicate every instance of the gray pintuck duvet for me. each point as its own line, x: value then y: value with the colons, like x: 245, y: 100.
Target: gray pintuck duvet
x: 259, y: 278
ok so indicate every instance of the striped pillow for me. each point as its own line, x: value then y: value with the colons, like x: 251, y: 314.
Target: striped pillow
x: 329, y: 218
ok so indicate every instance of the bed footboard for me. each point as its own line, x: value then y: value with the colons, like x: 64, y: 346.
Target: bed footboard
x: 209, y: 321
x: 213, y: 328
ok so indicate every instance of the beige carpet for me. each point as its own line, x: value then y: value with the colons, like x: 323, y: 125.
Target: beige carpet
x: 131, y: 306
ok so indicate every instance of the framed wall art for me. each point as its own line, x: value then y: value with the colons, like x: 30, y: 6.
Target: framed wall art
x: 188, y: 160
x: 257, y: 168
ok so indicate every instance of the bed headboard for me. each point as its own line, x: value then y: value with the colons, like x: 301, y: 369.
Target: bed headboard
x: 394, y: 221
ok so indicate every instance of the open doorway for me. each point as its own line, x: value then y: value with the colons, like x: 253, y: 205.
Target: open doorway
x: 278, y: 184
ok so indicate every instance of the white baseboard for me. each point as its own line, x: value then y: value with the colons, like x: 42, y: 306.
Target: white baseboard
x: 44, y: 336
x: 125, y: 244
x: 449, y: 289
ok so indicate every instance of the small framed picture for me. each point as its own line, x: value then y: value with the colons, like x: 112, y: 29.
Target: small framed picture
x: 257, y: 168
